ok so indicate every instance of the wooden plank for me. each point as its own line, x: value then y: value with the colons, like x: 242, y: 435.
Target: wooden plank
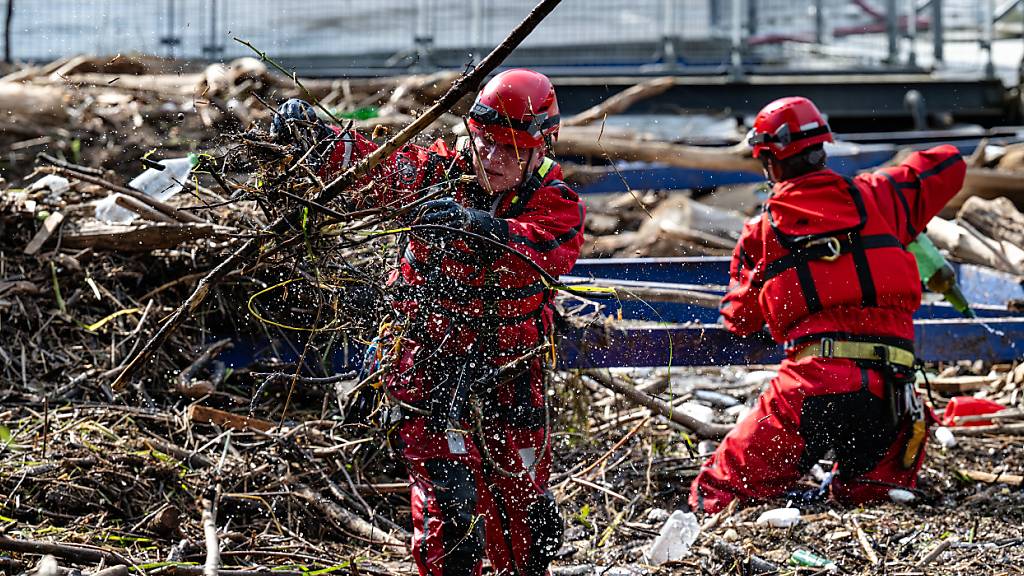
x: 50, y: 225
x: 990, y: 478
x: 207, y: 415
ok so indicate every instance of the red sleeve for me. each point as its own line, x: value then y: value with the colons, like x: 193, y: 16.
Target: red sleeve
x: 741, y: 310
x: 550, y: 230
x: 911, y: 194
x: 399, y: 178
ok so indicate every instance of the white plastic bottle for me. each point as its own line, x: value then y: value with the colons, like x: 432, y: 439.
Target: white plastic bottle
x: 673, y: 542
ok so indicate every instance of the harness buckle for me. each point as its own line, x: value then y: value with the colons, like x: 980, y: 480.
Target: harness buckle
x: 832, y: 243
x: 828, y: 347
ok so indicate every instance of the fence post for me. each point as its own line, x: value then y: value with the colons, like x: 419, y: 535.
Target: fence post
x: 737, y: 38
x: 668, y: 34
x: 7, y: 31
x: 212, y: 48
x: 912, y: 32
x: 988, y: 34
x: 938, y: 42
x: 423, y: 39
x: 477, y: 25
x: 892, y: 23
x: 169, y: 39
x: 819, y: 22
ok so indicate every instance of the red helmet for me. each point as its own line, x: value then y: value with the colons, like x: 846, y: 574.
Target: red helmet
x: 787, y: 126
x: 516, y: 107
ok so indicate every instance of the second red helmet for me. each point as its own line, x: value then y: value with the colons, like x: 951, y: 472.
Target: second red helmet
x: 517, y: 107
x: 787, y: 126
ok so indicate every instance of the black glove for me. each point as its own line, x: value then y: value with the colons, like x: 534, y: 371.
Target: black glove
x: 448, y: 212
x: 296, y: 122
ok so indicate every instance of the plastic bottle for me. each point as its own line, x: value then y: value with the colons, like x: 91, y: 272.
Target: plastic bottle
x: 677, y: 534
x: 157, y: 184
x: 937, y: 274
x: 808, y: 558
x: 780, y: 517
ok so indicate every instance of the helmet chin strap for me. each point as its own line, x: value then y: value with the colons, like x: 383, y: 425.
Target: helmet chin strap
x: 770, y: 168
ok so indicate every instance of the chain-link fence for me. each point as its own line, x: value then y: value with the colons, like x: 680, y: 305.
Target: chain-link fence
x: 348, y: 34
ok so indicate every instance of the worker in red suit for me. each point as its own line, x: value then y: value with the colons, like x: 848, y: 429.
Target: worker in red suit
x: 825, y: 266
x: 466, y: 356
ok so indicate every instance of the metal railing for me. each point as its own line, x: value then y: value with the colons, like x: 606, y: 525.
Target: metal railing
x: 724, y: 35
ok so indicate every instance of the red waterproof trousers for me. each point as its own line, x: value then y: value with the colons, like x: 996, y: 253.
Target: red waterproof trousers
x: 813, y: 406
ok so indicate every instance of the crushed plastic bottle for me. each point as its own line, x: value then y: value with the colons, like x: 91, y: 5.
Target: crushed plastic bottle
x: 677, y: 534
x: 780, y: 517
x: 901, y: 496
x: 157, y: 184
x: 808, y: 558
x: 944, y: 437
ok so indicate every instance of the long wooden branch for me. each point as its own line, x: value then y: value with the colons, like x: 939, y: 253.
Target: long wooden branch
x: 458, y: 90
x: 702, y: 429
x: 70, y: 552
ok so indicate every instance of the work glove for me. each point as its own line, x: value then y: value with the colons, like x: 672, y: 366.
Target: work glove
x: 296, y: 122
x: 448, y: 212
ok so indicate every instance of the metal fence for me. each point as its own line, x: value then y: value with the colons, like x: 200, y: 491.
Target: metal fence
x: 681, y: 34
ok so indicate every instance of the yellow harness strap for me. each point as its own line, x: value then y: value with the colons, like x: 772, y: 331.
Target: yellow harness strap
x: 829, y: 348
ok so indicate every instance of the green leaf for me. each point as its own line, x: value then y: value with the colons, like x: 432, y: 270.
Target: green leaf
x: 5, y: 435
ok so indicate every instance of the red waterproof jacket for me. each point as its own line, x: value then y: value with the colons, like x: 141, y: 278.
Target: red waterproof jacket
x: 463, y: 294
x: 827, y: 257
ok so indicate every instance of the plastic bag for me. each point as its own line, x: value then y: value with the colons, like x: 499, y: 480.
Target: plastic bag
x: 157, y: 184
x: 678, y: 533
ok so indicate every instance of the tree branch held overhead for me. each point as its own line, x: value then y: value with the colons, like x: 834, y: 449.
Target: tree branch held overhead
x: 458, y: 90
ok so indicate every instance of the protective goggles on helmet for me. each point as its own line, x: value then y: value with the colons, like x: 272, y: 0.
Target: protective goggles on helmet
x: 784, y: 137
x: 540, y: 122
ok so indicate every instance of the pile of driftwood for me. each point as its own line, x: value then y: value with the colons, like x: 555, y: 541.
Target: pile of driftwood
x: 200, y: 466
x: 187, y: 485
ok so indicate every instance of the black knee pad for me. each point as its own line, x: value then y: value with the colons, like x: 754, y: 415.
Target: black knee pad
x: 546, y: 529
x: 455, y: 493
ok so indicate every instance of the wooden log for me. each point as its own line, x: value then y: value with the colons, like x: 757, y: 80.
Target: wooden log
x: 207, y: 415
x: 151, y: 214
x: 347, y: 519
x: 621, y: 101
x: 972, y: 247
x: 30, y: 104
x: 987, y: 183
x: 71, y: 552
x: 702, y: 429
x: 962, y: 384
x: 635, y: 291
x: 990, y: 478
x: 138, y: 237
x: 998, y: 219
x: 584, y: 142
x: 994, y: 429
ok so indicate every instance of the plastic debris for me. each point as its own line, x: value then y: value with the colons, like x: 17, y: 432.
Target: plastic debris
x: 706, y: 447
x: 716, y: 399
x: 961, y: 406
x: 808, y: 558
x: 157, y: 184
x: 901, y: 496
x: 945, y: 437
x: 57, y: 185
x: 678, y: 533
x: 698, y: 411
x: 780, y: 517
x: 657, y: 515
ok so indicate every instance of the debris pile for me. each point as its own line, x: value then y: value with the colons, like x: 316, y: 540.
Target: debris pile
x: 266, y: 452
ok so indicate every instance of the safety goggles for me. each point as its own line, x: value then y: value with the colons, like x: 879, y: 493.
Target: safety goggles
x: 486, y: 115
x: 784, y: 137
